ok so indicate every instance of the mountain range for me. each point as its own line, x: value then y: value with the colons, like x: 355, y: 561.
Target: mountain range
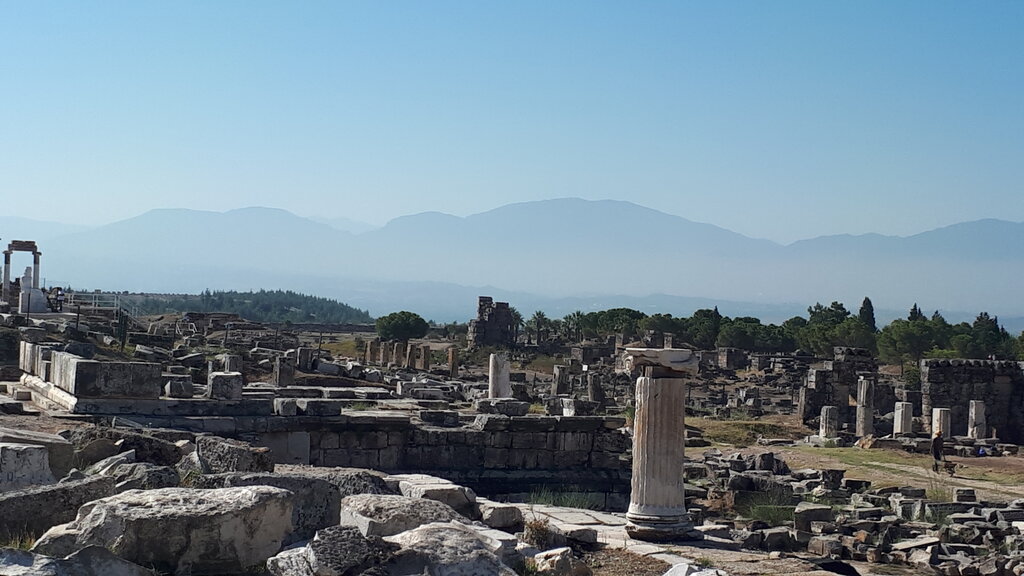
x: 556, y: 255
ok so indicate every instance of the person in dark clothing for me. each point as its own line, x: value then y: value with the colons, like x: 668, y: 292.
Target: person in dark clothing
x: 937, y: 447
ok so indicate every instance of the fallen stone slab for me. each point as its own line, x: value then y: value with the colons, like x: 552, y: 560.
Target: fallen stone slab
x: 385, y: 515
x: 500, y: 516
x: 180, y: 530
x: 90, y: 561
x: 32, y: 511
x: 444, y: 548
x: 143, y: 476
x: 225, y: 455
x: 147, y: 448
x: 316, y: 503
x: 460, y: 498
x: 60, y: 451
x: 348, y: 481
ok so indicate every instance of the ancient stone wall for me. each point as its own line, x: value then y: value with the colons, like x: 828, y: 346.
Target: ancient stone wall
x: 492, y: 325
x: 954, y: 383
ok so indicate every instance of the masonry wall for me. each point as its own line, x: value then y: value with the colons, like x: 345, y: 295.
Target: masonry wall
x: 954, y: 383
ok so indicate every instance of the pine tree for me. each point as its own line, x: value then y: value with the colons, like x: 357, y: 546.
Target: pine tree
x: 867, y: 314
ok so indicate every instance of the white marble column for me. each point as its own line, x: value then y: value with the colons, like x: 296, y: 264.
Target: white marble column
x: 942, y: 420
x: 903, y: 421
x: 865, y: 407
x: 35, y: 269
x: 657, y: 504
x: 828, y: 427
x: 976, y: 425
x: 498, y: 383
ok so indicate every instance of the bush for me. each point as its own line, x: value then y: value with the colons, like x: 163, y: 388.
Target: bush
x: 402, y: 325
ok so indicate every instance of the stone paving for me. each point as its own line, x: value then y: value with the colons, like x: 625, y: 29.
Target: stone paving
x: 724, y: 555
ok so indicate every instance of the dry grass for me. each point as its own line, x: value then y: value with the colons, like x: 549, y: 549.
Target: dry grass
x: 745, y: 432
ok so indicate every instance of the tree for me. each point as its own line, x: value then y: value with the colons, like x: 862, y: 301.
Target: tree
x: 540, y: 323
x: 704, y: 327
x: 401, y: 326
x: 573, y: 323
x: 915, y: 314
x: 866, y: 314
x: 517, y: 322
x: 903, y: 339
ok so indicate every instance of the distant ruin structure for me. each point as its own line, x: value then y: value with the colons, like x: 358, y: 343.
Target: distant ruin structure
x: 493, y: 325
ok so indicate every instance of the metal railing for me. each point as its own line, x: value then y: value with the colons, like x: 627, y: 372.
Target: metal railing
x: 106, y: 301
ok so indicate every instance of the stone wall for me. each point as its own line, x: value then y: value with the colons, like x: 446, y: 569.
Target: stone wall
x: 954, y: 383
x: 91, y: 378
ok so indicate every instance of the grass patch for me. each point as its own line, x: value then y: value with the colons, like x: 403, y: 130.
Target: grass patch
x: 874, y: 459
x: 351, y: 348
x: 361, y: 406
x: 550, y: 497
x: 773, y: 507
x: 545, y: 364
x: 19, y: 541
x: 740, y: 432
x: 537, y: 408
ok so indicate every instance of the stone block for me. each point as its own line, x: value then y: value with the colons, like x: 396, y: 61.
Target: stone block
x: 224, y: 386
x: 23, y: 465
x: 60, y: 452
x: 32, y: 511
x: 178, y: 386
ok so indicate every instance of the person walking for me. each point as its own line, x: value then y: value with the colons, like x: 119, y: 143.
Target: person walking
x: 937, y: 449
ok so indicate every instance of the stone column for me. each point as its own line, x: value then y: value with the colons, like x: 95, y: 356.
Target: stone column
x: 903, y: 423
x: 284, y: 372
x: 425, y: 357
x: 865, y: 407
x: 829, y: 425
x: 560, y: 381
x: 942, y: 420
x: 7, y: 276
x: 453, y: 362
x: 232, y: 363
x: 398, y: 354
x: 595, y: 393
x: 410, y: 356
x: 373, y: 352
x: 976, y: 424
x: 35, y: 269
x: 669, y: 339
x: 386, y: 349
x: 499, y: 385
x: 657, y: 505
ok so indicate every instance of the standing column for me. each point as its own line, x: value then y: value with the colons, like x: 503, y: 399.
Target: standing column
x: 903, y: 423
x: 499, y: 385
x: 657, y: 505
x: 829, y: 425
x: 865, y: 407
x: 35, y: 269
x: 976, y: 425
x: 398, y: 355
x: 595, y: 393
x: 7, y: 276
x: 560, y: 380
x: 453, y: 363
x: 425, y: 357
x: 942, y: 420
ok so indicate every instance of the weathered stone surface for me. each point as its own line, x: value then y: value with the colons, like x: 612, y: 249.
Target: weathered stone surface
x: 316, y: 502
x: 500, y: 516
x: 460, y: 498
x: 224, y: 455
x: 147, y: 448
x: 143, y: 476
x: 33, y: 511
x: 335, y: 551
x: 23, y: 465
x: 90, y: 561
x: 59, y: 450
x: 348, y: 481
x: 506, y: 406
x: 560, y: 562
x: 222, y: 531
x: 384, y: 515
x: 224, y: 386
x: 807, y: 512
x: 444, y: 549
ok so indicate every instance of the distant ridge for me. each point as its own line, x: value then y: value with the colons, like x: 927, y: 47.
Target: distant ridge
x: 554, y: 249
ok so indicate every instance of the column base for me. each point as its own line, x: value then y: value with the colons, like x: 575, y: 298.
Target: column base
x: 661, y: 529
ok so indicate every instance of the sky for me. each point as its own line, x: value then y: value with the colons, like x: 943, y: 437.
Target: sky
x: 778, y: 120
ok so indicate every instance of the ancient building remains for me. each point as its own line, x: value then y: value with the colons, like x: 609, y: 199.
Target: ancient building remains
x: 493, y: 325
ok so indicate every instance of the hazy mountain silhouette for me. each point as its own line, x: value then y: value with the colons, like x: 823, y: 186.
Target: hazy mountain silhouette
x: 563, y: 252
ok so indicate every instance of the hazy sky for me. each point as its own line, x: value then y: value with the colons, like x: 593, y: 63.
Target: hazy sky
x: 781, y: 120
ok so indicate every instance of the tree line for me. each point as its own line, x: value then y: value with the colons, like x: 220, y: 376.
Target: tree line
x: 266, y: 306
x: 911, y: 339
